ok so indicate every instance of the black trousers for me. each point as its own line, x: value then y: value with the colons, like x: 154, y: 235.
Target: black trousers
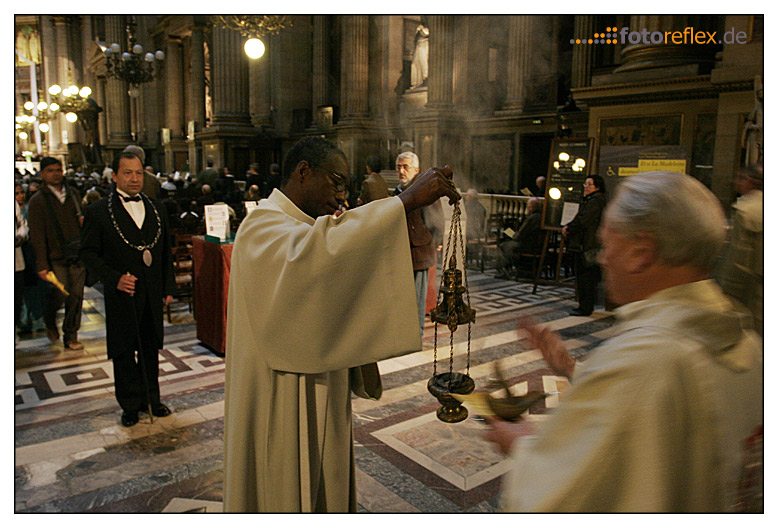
x: 72, y: 276
x: 128, y: 372
x: 586, y: 279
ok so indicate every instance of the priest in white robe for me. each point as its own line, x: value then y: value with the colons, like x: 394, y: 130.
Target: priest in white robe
x: 658, y: 415
x: 315, y: 301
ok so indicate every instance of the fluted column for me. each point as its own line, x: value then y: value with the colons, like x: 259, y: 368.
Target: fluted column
x: 49, y: 59
x: 354, y: 70
x: 116, y: 99
x: 87, y: 41
x: 319, y: 61
x: 441, y: 62
x: 230, y: 78
x: 174, y: 89
x: 197, y: 77
x: 63, y: 67
x: 582, y: 55
x: 519, y: 65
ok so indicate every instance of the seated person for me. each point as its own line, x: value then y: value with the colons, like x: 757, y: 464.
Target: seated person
x: 527, y: 240
x: 476, y: 216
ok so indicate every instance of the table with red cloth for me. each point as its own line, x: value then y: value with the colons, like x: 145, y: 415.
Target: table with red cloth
x: 211, y: 284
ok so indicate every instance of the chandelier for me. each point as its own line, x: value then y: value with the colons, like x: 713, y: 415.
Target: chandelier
x: 70, y: 101
x: 133, y: 67
x: 253, y: 28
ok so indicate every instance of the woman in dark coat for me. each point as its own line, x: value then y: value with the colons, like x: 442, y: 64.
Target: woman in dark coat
x: 582, y: 235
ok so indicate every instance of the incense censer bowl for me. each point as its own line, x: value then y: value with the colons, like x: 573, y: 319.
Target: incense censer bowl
x: 442, y: 386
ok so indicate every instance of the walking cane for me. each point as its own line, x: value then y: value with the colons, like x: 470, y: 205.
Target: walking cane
x: 140, y: 358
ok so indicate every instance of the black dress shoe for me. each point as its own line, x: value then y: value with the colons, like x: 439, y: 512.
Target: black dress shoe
x: 160, y: 410
x: 578, y: 311
x: 129, y: 418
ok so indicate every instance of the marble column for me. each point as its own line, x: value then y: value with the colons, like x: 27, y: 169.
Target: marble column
x: 174, y: 89
x: 117, y: 101
x: 441, y: 62
x: 230, y: 78
x: 354, y: 66
x: 61, y: 25
x: 197, y: 78
x: 87, y: 46
x: 319, y: 60
x: 519, y: 65
x: 50, y: 76
x: 582, y: 55
x: 259, y: 87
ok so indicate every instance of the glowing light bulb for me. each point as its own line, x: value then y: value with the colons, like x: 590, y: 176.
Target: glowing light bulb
x: 71, y: 117
x: 22, y: 135
x: 85, y: 92
x: 55, y: 89
x: 554, y: 193
x: 44, y: 127
x: 564, y: 156
x: 28, y: 105
x: 254, y: 48
x: 42, y: 106
x: 54, y: 107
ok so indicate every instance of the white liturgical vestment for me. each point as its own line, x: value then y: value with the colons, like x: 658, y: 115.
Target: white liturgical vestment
x: 308, y: 300
x: 656, y: 417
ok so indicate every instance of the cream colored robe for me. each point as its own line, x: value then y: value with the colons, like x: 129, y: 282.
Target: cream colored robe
x: 656, y: 416
x: 308, y: 299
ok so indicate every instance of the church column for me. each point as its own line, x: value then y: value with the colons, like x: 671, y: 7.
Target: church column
x: 63, y: 68
x: 519, y: 66
x: 197, y: 78
x: 117, y: 101
x: 582, y: 55
x: 354, y: 70
x: 230, y: 78
x: 87, y: 43
x: 49, y: 59
x: 319, y: 63
x: 441, y: 62
x: 174, y: 100
x: 259, y: 88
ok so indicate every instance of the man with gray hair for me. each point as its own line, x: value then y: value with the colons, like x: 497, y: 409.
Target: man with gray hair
x: 425, y: 231
x: 657, y: 415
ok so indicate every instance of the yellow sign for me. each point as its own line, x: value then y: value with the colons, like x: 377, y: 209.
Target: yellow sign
x: 628, y: 171
x: 670, y: 165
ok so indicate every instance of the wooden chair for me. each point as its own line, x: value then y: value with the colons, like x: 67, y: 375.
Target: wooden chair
x: 183, y: 271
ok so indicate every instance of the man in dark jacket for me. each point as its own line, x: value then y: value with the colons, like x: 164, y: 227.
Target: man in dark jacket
x: 582, y: 235
x: 55, y: 228
x: 425, y: 230
x: 527, y: 240
x: 126, y: 244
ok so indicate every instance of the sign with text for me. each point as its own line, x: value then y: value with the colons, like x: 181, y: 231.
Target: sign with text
x: 217, y: 221
x: 568, y: 167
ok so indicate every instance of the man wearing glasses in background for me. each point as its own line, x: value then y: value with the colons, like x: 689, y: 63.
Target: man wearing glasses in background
x: 316, y: 298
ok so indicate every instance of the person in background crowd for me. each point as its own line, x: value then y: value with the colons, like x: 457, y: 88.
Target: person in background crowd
x: 742, y: 274
x: 476, y: 216
x: 374, y: 187
x: 425, y: 231
x: 273, y: 179
x: 55, y: 231
x: 582, y: 235
x: 252, y: 195
x: 527, y: 240
x: 20, y: 237
x: 540, y: 183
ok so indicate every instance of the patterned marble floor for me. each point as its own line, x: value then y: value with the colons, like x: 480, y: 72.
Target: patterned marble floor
x: 72, y: 454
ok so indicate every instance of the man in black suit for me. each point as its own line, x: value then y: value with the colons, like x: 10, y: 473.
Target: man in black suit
x: 125, y: 243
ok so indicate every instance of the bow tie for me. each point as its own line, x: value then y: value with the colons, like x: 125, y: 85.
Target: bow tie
x: 135, y: 198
